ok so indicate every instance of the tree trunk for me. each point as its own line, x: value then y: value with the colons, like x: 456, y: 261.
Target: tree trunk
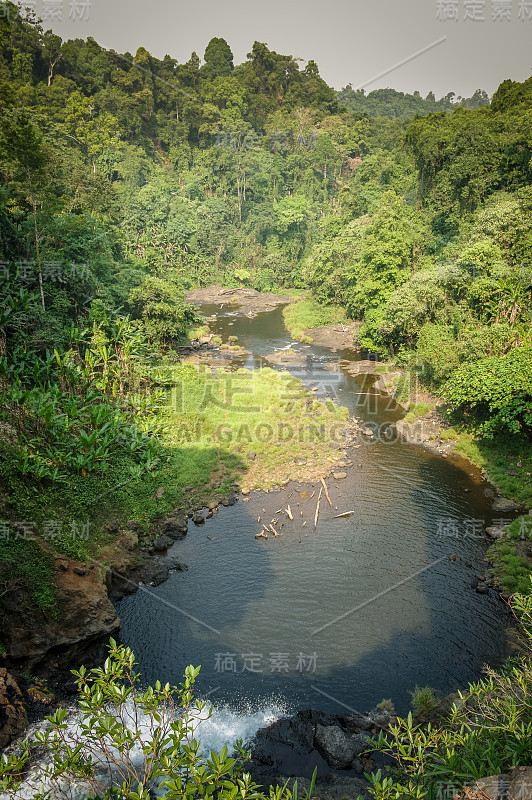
x: 37, y: 252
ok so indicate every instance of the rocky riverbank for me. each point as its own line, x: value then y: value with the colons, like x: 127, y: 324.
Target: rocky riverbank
x: 249, y: 301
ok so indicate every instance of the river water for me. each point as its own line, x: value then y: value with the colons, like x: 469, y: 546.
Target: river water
x: 361, y: 609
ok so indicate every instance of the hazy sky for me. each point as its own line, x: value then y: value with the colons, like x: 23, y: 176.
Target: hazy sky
x: 353, y: 41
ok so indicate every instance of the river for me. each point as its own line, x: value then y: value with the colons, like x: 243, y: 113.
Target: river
x: 363, y: 608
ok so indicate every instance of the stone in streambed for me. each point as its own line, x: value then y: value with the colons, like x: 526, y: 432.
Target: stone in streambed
x: 160, y: 575
x: 494, y: 532
x: 505, y: 506
x: 175, y: 526
x: 339, y: 475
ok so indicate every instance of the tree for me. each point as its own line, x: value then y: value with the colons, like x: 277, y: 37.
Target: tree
x: 51, y: 52
x: 218, y: 59
x: 95, y: 132
x: 25, y: 158
x: 497, y: 390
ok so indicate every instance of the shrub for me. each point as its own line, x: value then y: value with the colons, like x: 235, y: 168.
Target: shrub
x: 438, y: 350
x: 423, y: 700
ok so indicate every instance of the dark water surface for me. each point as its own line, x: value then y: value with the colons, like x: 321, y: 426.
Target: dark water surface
x: 361, y: 609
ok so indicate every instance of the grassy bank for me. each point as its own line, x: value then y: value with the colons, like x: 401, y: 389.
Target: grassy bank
x: 307, y: 314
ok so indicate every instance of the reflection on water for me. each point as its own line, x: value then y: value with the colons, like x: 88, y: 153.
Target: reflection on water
x: 364, y: 607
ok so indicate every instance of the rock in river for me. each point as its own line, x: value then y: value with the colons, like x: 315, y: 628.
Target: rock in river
x: 505, y: 506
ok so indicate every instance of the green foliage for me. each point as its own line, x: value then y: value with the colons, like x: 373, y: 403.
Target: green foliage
x: 77, y: 411
x: 160, y: 303
x: 393, y: 104
x: 437, y: 351
x: 424, y: 700
x: 497, y: 390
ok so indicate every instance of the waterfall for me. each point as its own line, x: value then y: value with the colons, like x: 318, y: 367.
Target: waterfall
x: 225, y: 726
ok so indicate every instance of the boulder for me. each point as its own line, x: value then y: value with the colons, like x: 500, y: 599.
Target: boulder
x: 198, y: 518
x: 338, y: 747
x: 113, y: 527
x: 494, y: 532
x: 13, y: 717
x: 514, y: 785
x: 175, y: 526
x: 332, y: 787
x: 338, y: 476
x: 44, y: 643
x: 174, y: 563
x: 160, y: 575
x: 505, y: 506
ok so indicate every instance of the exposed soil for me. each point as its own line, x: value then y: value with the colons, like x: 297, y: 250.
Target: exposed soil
x: 337, y: 336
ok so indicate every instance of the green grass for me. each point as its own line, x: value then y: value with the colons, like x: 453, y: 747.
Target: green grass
x: 507, y: 461
x: 265, y: 412
x: 26, y: 560
x: 449, y: 435
x: 416, y: 410
x: 307, y: 314
x: 513, y: 572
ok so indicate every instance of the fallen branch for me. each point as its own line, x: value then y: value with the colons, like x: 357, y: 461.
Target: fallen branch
x: 289, y: 512
x: 326, y: 492
x: 345, y: 514
x: 317, y: 509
